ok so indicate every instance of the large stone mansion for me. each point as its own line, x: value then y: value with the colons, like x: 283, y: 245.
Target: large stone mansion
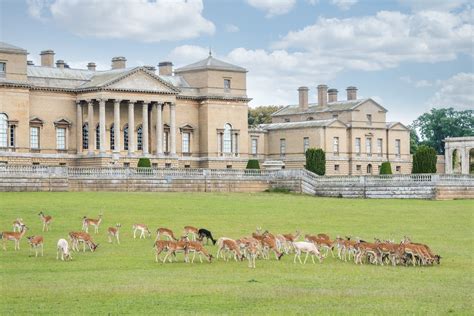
x: 190, y: 117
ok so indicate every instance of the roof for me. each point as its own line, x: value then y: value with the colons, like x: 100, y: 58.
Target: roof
x: 9, y: 48
x: 292, y: 125
x: 211, y: 63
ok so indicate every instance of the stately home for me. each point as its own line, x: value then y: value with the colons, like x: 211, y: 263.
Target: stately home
x: 190, y: 117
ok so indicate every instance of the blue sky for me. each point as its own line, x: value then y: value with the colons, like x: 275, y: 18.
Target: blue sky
x: 409, y: 55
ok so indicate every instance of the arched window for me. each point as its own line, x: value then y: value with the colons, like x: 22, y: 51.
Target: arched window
x: 140, y: 138
x: 3, y: 130
x: 85, y: 136
x: 227, y: 139
x: 112, y: 137
x: 97, y: 136
x: 369, y: 169
x: 125, y: 137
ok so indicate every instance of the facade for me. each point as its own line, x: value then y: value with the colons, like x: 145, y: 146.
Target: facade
x: 195, y: 116
x: 354, y: 133
x: 459, y: 155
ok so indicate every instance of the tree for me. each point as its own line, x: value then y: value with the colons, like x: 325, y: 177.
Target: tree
x: 253, y: 164
x: 316, y: 161
x: 424, y: 160
x: 386, y: 168
x: 144, y: 163
x: 414, y: 140
x: 261, y: 114
x: 436, y: 125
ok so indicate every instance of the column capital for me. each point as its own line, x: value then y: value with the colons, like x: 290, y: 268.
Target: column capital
x: 101, y: 101
x: 172, y: 103
x: 90, y: 101
x: 117, y: 100
x: 132, y: 101
x: 78, y: 102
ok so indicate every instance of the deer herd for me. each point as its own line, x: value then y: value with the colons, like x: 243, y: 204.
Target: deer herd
x: 259, y: 245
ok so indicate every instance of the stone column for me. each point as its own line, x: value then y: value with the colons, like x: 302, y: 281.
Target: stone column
x: 90, y: 122
x: 78, y: 127
x: 145, y: 128
x: 159, y: 129
x: 117, y: 134
x: 102, y: 125
x: 173, y: 129
x: 448, y: 164
x: 131, y: 127
x: 464, y: 161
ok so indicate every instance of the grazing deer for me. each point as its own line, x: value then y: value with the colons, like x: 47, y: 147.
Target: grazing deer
x: 191, y: 231
x: 143, y: 229
x: 63, y: 248
x: 35, y: 243
x: 204, y: 233
x: 168, y: 233
x: 46, y: 220
x: 232, y: 247
x: 220, y: 247
x: 84, y: 238
x: 322, y: 243
x: 196, y: 247
x: 17, y: 224
x: 86, y: 222
x: 13, y: 236
x: 113, y: 233
x: 160, y: 246
x: 307, y: 247
x: 177, y: 246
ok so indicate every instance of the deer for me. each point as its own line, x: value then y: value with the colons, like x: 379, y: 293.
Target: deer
x: 364, y: 248
x: 35, y: 243
x: 113, y: 233
x: 160, y: 246
x: 86, y: 222
x: 204, y: 233
x: 177, y: 246
x: 321, y: 243
x: 84, y: 238
x: 231, y: 246
x: 168, y: 233
x: 252, y: 253
x: 191, y: 231
x: 63, y: 248
x: 308, y: 248
x: 220, y: 247
x: 197, y: 247
x: 143, y: 229
x: 268, y: 244
x: 46, y: 220
x: 17, y: 224
x: 246, y: 242
x: 13, y: 236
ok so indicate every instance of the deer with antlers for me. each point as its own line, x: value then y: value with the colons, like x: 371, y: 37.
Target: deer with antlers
x: 168, y: 233
x: 36, y: 242
x: 86, y: 222
x: 46, y: 220
x: 13, y: 236
x: 85, y: 239
x: 143, y: 229
x: 17, y: 224
x: 113, y: 233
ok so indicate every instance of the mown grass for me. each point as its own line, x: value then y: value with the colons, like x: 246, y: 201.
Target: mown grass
x: 124, y: 279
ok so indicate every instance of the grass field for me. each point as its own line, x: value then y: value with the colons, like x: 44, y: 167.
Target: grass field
x: 124, y: 279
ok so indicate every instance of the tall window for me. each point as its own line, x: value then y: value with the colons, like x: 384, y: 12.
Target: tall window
x: 379, y: 147
x: 12, y: 136
x: 369, y: 119
x: 226, y: 85
x: 166, y: 147
x: 305, y: 144
x: 97, y: 136
x: 85, y: 136
x: 254, y: 146
x: 125, y: 137
x: 227, y: 141
x: 397, y: 147
x: 61, y: 138
x: 3, y: 69
x: 185, y: 148
x: 3, y: 130
x: 34, y: 138
x: 357, y: 146
x: 282, y: 147
x: 335, y: 145
x: 368, y: 146
x: 140, y: 138
x: 112, y: 137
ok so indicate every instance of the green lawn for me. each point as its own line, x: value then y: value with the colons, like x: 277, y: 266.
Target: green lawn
x: 124, y: 279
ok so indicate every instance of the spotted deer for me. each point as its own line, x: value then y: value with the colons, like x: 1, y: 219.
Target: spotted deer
x: 167, y: 233
x: 143, y: 229
x: 86, y: 222
x: 13, y: 236
x: 113, y: 233
x: 17, y: 224
x: 84, y: 238
x: 46, y: 220
x: 35, y: 243
x: 191, y: 231
x: 197, y: 247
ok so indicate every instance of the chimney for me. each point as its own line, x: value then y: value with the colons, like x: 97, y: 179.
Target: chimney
x: 150, y: 68
x: 47, y: 58
x: 332, y: 95
x: 351, y: 93
x: 60, y: 64
x: 91, y: 66
x: 303, y: 98
x: 118, y: 62
x: 30, y: 63
x: 322, y: 95
x: 165, y: 68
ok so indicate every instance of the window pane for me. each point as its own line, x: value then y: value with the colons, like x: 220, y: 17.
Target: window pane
x: 357, y: 145
x: 282, y: 146
x: 254, y: 146
x: 34, y: 137
x: 85, y: 136
x: 336, y: 144
x: 140, y: 138
x: 97, y: 137
x: 305, y: 144
x: 185, y: 145
x: 3, y: 130
x: 227, y: 142
x: 397, y: 147
x: 379, y: 146
x: 61, y: 138
x: 368, y: 145
x: 112, y: 137
x: 12, y: 136
x: 125, y: 138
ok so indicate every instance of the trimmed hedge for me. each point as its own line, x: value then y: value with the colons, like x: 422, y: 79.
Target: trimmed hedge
x: 316, y: 161
x: 253, y: 164
x: 386, y: 168
x: 144, y: 163
x: 424, y: 160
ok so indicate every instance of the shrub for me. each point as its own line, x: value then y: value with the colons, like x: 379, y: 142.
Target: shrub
x: 253, y: 164
x: 386, y: 168
x: 316, y: 161
x: 144, y: 163
x: 424, y: 160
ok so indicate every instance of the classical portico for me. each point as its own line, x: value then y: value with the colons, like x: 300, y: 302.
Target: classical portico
x: 459, y: 151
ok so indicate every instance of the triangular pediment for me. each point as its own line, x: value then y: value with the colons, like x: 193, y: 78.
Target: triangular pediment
x: 142, y: 81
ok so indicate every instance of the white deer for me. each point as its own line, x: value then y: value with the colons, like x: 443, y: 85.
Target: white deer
x: 307, y: 247
x: 63, y: 248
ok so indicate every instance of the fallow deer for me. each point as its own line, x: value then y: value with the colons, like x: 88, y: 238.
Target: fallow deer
x: 196, y: 247
x: 321, y: 243
x: 17, y: 224
x: 160, y: 246
x: 168, y: 233
x: 113, y: 233
x: 84, y: 238
x: 177, y: 246
x: 86, y: 222
x: 220, y: 247
x: 63, y: 248
x: 307, y: 247
x: 13, y: 236
x: 252, y: 253
x: 268, y: 244
x: 143, y: 229
x: 204, y: 233
x: 35, y: 243
x: 46, y: 220
x: 232, y: 247
x: 191, y: 231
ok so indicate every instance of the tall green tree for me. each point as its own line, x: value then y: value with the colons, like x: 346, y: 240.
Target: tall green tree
x: 436, y: 125
x: 261, y: 114
x: 414, y: 140
x: 424, y: 160
x: 316, y: 161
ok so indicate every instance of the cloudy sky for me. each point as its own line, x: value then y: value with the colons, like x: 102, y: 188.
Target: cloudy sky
x: 410, y: 55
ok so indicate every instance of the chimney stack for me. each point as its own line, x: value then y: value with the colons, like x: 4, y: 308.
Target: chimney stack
x: 91, y: 66
x: 332, y: 95
x: 351, y: 93
x: 60, y: 64
x: 322, y: 95
x: 165, y: 68
x: 47, y: 58
x: 119, y: 62
x: 303, y: 97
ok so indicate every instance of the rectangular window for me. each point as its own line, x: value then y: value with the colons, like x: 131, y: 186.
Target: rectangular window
x: 165, y: 142
x: 3, y: 69
x: 167, y: 165
x: 369, y: 119
x: 397, y: 147
x: 254, y: 146
x: 282, y: 147
x: 12, y: 136
x: 368, y: 146
x: 187, y: 166
x: 61, y: 138
x: 336, y: 167
x: 398, y: 168
x: 34, y: 138
x: 335, y: 145
x: 229, y: 166
x: 358, y: 167
x: 357, y: 146
x: 185, y: 145
x: 305, y: 144
x: 379, y: 147
x: 226, y: 85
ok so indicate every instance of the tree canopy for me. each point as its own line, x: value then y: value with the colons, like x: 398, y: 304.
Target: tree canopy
x: 424, y: 160
x: 261, y: 114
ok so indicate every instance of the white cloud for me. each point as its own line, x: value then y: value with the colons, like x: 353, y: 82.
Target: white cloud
x: 142, y: 20
x: 344, y: 4
x: 231, y: 28
x: 186, y: 54
x: 433, y: 5
x: 416, y: 83
x: 273, y: 7
x: 457, y: 92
